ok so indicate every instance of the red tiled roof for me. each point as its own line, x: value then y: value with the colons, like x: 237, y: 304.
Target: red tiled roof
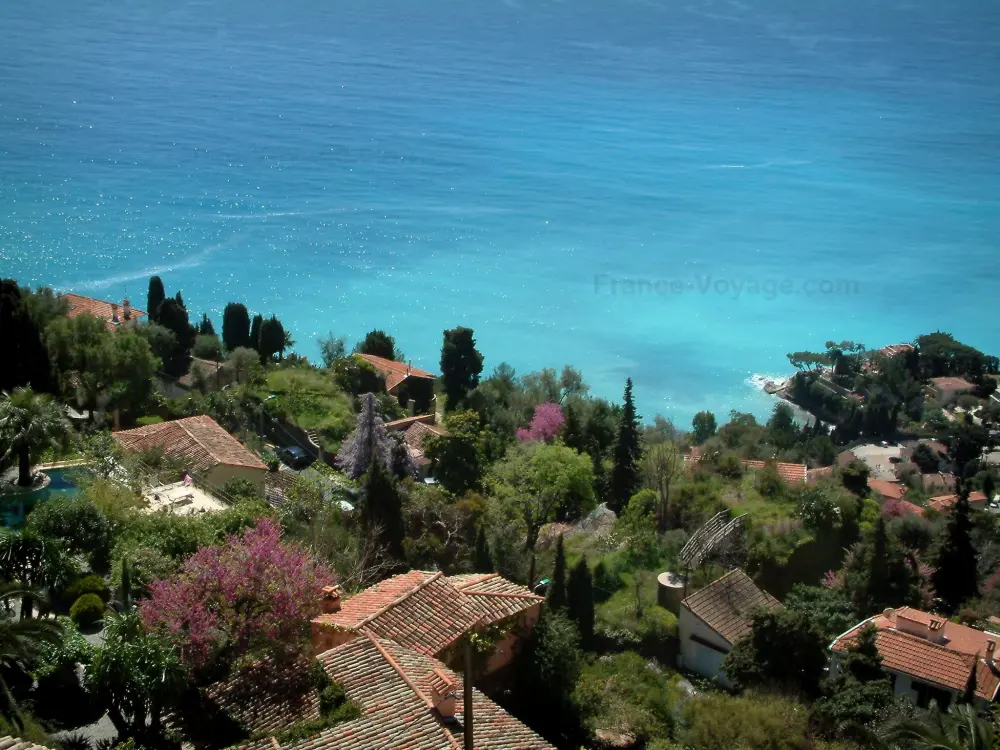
x: 78, y: 305
x: 415, y: 435
x: 846, y: 458
x: 944, y: 502
x: 787, y: 472
x: 428, y: 612
x: 952, y: 384
x: 266, y: 713
x: 395, y: 372
x: 887, y: 490
x: 199, y: 441
x: 402, y: 424
x: 947, y: 664
x: 392, y: 686
x: 726, y: 604
x: 939, y: 481
x: 208, y: 370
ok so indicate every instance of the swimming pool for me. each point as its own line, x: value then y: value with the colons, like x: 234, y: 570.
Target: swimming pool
x: 62, y: 483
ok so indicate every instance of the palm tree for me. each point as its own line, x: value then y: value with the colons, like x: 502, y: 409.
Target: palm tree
x: 961, y: 728
x: 21, y: 642
x: 29, y: 422
x: 287, y: 342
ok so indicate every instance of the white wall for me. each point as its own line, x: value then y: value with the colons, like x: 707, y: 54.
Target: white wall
x: 696, y: 657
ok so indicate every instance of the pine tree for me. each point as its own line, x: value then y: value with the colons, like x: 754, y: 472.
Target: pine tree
x: 461, y: 365
x: 625, y: 473
x: 580, y: 600
x: 383, y: 509
x: 482, y: 561
x: 154, y: 298
x: 557, y: 589
x: 956, y: 578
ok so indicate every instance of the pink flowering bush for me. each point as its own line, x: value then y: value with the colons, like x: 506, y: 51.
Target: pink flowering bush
x: 246, y: 602
x: 545, y: 424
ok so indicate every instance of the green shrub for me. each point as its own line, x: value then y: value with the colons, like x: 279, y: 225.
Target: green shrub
x: 272, y: 461
x: 87, y: 610
x: 146, y: 421
x: 749, y: 722
x: 91, y: 584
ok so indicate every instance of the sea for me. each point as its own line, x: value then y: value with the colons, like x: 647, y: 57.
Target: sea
x: 680, y: 192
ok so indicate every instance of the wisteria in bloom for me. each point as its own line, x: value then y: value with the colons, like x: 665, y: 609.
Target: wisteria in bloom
x: 545, y: 424
x: 247, y: 601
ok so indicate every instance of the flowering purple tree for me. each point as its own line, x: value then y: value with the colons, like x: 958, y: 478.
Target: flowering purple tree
x: 243, y: 604
x: 545, y: 424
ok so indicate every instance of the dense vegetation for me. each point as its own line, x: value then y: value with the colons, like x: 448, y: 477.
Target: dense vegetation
x: 537, y: 479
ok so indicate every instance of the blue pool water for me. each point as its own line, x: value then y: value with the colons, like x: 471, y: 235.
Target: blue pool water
x: 63, y: 483
x: 680, y: 192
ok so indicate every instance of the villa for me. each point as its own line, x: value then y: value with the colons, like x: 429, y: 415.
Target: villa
x: 946, y: 390
x: 415, y: 430
x: 111, y: 313
x: 430, y: 612
x: 403, y: 381
x: 927, y: 657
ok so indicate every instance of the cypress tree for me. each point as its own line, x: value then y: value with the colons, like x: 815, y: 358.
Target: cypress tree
x: 461, y: 365
x: 557, y: 590
x: 236, y: 327
x: 625, y: 473
x: 956, y: 578
x: 154, y: 298
x: 580, y: 600
x: 205, y: 328
x: 255, y: 325
x: 383, y: 509
x: 272, y: 338
x: 26, y: 360
x: 482, y: 560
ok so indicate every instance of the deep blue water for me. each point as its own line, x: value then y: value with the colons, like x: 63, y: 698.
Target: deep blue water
x: 517, y: 167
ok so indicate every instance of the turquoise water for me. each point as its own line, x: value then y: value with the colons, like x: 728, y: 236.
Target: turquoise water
x: 680, y: 192
x: 63, y: 483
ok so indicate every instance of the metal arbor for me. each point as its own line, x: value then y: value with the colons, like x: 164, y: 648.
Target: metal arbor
x: 721, y: 539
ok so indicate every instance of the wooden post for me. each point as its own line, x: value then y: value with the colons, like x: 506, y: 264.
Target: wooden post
x: 467, y: 680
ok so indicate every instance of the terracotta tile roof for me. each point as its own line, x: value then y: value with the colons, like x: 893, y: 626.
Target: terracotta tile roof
x: 208, y: 369
x: 392, y: 686
x: 814, y: 475
x: 415, y: 435
x: 494, y: 596
x: 943, y: 503
x: 16, y: 743
x: 947, y: 664
x: 952, y: 384
x: 199, y: 441
x: 846, y: 458
x: 395, y: 372
x: 428, y: 612
x: 270, y: 714
x: 402, y: 424
x: 887, y: 490
x: 78, y: 305
x: 726, y: 604
x: 939, y: 481
x: 787, y: 472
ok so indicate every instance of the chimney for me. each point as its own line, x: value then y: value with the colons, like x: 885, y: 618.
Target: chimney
x: 329, y: 601
x: 126, y: 309
x: 442, y: 695
x: 114, y: 312
x: 408, y: 363
x: 991, y: 647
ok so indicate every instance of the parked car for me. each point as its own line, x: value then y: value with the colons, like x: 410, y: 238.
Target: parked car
x: 294, y: 456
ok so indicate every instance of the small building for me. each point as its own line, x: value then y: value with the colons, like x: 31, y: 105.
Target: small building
x: 714, y: 618
x: 885, y: 490
x: 814, y: 476
x: 944, y: 503
x: 207, y: 452
x: 789, y: 473
x: 415, y: 431
x: 946, y: 390
x: 927, y: 657
x: 113, y: 314
x: 404, y: 382
x: 430, y: 612
x: 202, y: 374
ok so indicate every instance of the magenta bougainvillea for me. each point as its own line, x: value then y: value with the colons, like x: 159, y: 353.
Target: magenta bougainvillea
x: 247, y: 601
x: 545, y: 424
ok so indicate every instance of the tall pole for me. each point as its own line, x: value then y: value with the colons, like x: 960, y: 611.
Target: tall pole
x: 467, y: 680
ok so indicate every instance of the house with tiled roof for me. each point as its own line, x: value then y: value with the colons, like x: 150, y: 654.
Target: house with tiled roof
x: 884, y: 490
x: 790, y: 473
x: 944, y: 503
x: 714, y: 618
x: 928, y: 657
x: 205, y: 450
x: 415, y: 431
x: 430, y: 612
x: 946, y: 390
x: 113, y: 314
x: 409, y: 701
x: 403, y: 381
